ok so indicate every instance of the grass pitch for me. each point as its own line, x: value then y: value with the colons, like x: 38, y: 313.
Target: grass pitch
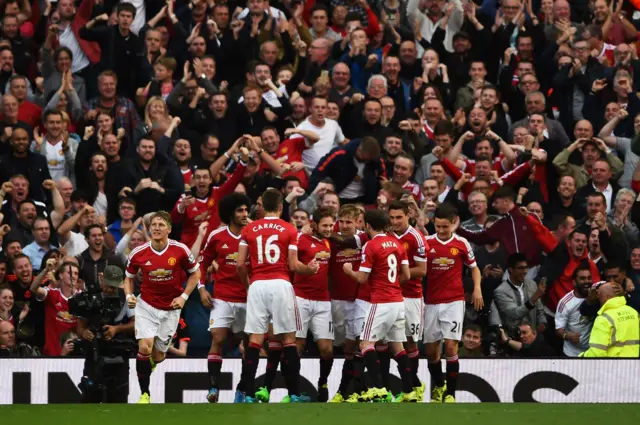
x: 321, y: 414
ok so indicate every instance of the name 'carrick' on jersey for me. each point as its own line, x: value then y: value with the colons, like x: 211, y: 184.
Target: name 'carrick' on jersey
x: 313, y: 287
x: 382, y: 257
x: 342, y: 286
x: 444, y: 269
x: 416, y: 246
x: 222, y: 246
x: 161, y: 272
x: 269, y: 241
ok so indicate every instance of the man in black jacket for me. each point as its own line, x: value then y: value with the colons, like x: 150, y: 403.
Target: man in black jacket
x: 121, y: 50
x: 94, y: 259
x: 155, y: 186
x: 21, y: 161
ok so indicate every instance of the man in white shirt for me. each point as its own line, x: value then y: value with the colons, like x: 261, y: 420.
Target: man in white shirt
x: 76, y: 243
x: 329, y: 131
x: 574, y: 329
x: 67, y: 38
x: 60, y: 153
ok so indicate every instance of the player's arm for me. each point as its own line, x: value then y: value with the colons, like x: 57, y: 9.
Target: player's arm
x: 344, y: 241
x: 360, y: 276
x: 241, y: 264
x: 298, y: 267
x: 181, y: 351
x: 128, y: 290
x: 478, y: 302
x: 36, y: 286
x: 405, y: 272
x: 420, y: 270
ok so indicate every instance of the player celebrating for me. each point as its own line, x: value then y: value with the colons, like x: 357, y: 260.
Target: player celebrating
x: 384, y: 266
x: 415, y: 245
x: 270, y: 244
x: 445, y: 301
x: 343, y: 294
x: 312, y: 294
x: 161, y: 295
x: 229, y: 304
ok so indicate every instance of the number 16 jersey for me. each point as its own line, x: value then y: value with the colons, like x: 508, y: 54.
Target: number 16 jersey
x: 382, y: 257
x: 269, y: 241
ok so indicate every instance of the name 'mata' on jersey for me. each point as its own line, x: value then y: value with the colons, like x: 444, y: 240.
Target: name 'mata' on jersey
x: 444, y: 269
x: 161, y: 272
x: 381, y: 258
x: 269, y: 241
x: 222, y: 246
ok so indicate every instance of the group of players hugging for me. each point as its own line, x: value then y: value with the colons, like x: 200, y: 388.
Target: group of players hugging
x: 355, y: 283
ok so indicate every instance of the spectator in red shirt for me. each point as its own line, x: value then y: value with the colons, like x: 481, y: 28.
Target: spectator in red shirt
x: 27, y: 111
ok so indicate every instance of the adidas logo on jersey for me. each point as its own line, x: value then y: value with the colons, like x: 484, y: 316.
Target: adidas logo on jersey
x: 313, y: 245
x: 148, y: 263
x: 225, y: 246
x: 432, y: 251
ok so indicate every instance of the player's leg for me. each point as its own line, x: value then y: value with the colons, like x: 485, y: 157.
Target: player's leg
x: 305, y: 311
x: 432, y: 337
x: 396, y: 338
x: 339, y: 312
x: 221, y: 319
x: 146, y: 328
x: 360, y: 311
x: 286, y: 323
x: 349, y: 349
x: 321, y: 325
x: 452, y: 317
x: 384, y: 357
x: 257, y: 324
x: 274, y: 354
x: 414, y: 314
x: 376, y: 327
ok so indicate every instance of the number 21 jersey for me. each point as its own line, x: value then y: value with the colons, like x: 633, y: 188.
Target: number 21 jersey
x: 269, y: 241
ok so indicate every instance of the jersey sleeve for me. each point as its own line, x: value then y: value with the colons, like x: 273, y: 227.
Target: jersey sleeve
x: 420, y: 256
x: 469, y: 256
x: 206, y: 257
x: 404, y: 259
x: 243, y: 237
x: 132, y: 265
x: 293, y: 239
x: 561, y: 315
x: 366, y: 263
x: 189, y: 262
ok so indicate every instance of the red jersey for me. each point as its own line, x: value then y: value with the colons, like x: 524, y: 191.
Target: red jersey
x: 57, y: 320
x: 470, y: 165
x: 269, y: 241
x: 222, y: 246
x: 382, y: 257
x: 444, y: 269
x: 288, y: 152
x: 187, y: 175
x: 162, y: 271
x: 415, y: 246
x: 342, y: 286
x: 414, y: 189
x: 314, y: 287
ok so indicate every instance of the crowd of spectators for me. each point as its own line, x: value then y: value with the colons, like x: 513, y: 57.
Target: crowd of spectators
x: 523, y: 114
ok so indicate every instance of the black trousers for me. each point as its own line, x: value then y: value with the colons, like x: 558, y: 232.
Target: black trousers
x: 109, y: 383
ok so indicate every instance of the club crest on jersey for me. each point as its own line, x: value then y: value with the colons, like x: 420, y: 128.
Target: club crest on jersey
x: 405, y: 246
x: 210, y: 322
x: 283, y: 151
x: 172, y: 261
x: 326, y: 243
x: 211, y: 202
x: 454, y: 251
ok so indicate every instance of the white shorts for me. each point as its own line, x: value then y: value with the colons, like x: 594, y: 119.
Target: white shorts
x: 385, y: 322
x: 225, y: 314
x: 360, y: 310
x: 275, y: 300
x: 158, y: 324
x: 342, y: 313
x: 414, y: 315
x: 443, y: 321
x: 315, y: 316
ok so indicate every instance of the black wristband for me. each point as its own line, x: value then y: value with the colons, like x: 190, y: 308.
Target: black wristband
x: 529, y: 305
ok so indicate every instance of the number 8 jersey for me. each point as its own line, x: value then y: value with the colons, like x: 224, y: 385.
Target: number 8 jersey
x: 269, y: 241
x: 381, y: 258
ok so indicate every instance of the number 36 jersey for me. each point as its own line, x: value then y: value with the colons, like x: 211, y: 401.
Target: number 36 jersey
x: 269, y: 241
x: 382, y: 257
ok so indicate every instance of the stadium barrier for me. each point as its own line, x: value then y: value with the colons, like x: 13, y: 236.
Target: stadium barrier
x: 51, y: 380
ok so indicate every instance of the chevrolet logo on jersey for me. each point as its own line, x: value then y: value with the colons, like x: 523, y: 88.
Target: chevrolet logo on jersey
x: 443, y: 261
x: 232, y: 258
x: 160, y: 275
x: 323, y: 255
x: 347, y: 252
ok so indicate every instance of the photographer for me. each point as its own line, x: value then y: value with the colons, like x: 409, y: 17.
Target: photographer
x: 530, y: 344
x: 105, y: 325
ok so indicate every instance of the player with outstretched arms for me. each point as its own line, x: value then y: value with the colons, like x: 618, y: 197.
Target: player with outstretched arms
x: 384, y: 267
x: 344, y: 290
x: 445, y: 300
x: 161, y: 295
x: 269, y: 246
x: 416, y: 246
x: 229, y: 303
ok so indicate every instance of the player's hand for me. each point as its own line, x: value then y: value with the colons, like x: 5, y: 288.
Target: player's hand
x: 88, y: 335
x: 347, y: 268
x: 306, y: 229
x: 202, y: 229
x: 476, y: 298
x: 108, y: 332
x: 132, y: 301
x: 574, y: 337
x: 177, y: 303
x: 314, y: 266
x: 205, y: 298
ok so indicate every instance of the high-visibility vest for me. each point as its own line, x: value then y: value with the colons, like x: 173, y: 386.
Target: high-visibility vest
x: 616, y: 331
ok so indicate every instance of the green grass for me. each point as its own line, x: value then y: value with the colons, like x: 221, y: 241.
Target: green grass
x: 321, y: 414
